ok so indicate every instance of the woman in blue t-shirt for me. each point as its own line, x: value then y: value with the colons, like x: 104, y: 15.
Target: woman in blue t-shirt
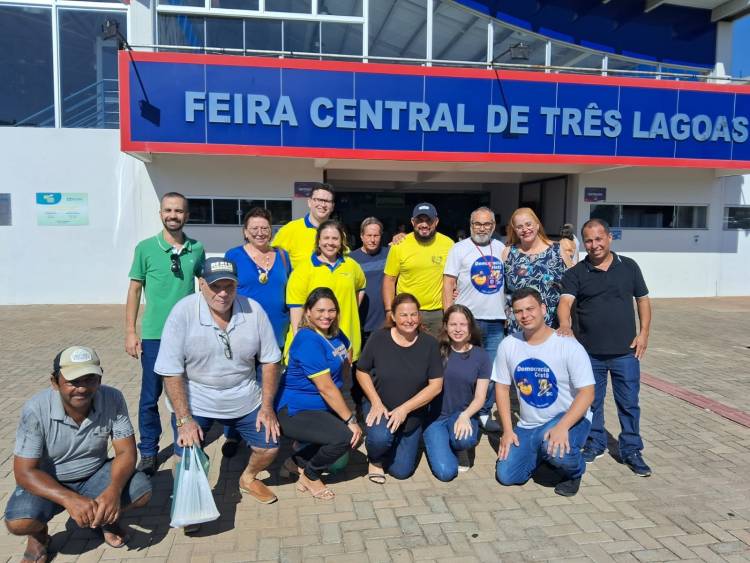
x: 466, y: 376
x: 310, y: 406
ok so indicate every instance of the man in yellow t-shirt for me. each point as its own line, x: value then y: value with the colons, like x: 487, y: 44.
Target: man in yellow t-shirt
x: 298, y: 237
x: 415, y: 265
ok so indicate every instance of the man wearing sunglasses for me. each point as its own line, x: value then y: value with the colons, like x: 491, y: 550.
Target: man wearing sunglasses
x: 207, y: 357
x: 298, y: 237
x: 166, y: 266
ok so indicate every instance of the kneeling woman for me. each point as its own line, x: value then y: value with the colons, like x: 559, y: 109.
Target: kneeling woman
x: 466, y: 376
x: 400, y: 372
x: 311, y: 408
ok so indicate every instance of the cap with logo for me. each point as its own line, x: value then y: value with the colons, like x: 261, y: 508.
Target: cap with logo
x: 215, y: 269
x: 77, y: 361
x: 425, y: 209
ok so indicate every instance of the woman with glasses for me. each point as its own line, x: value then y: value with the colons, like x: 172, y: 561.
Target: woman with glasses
x: 454, y: 424
x: 400, y: 372
x: 533, y: 260
x: 328, y: 267
x: 311, y: 408
x: 262, y: 273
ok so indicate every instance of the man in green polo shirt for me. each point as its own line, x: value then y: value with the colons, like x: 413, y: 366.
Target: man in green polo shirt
x: 165, y: 266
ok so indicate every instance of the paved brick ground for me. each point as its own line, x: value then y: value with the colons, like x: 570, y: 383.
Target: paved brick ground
x: 695, y: 507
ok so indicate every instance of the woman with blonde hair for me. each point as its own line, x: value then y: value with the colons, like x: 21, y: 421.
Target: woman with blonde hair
x: 533, y: 260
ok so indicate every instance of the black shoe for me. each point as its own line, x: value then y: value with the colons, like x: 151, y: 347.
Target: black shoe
x: 590, y: 455
x: 636, y: 464
x: 568, y: 488
x: 148, y: 465
x: 230, y: 447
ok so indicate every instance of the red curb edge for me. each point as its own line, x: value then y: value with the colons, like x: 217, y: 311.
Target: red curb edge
x: 701, y: 401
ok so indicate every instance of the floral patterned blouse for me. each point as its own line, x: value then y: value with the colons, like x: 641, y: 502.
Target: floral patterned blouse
x: 543, y: 272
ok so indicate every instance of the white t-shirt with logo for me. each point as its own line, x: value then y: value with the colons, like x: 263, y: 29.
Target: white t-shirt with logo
x: 547, y: 376
x: 480, y: 277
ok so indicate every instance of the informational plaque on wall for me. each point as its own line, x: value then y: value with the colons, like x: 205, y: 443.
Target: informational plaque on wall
x: 55, y: 209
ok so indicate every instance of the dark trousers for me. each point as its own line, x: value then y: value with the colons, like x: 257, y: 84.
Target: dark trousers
x: 149, y: 422
x: 324, y: 434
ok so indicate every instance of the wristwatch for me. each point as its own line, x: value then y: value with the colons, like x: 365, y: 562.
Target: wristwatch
x: 352, y: 418
x: 181, y: 421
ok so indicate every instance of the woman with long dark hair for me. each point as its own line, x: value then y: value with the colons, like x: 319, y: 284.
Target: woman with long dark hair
x: 454, y: 425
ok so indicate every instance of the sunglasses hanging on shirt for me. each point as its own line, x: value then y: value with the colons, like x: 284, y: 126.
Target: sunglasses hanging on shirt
x: 176, y: 266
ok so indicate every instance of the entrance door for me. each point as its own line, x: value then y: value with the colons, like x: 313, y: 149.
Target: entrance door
x: 547, y: 198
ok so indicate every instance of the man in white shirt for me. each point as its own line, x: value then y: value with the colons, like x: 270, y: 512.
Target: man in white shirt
x: 555, y: 386
x: 475, y: 268
x: 207, y: 357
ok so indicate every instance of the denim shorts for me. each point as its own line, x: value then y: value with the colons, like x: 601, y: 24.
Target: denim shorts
x: 23, y: 504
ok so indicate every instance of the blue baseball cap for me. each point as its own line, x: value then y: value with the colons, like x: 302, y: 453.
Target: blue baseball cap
x: 217, y: 268
x: 424, y: 208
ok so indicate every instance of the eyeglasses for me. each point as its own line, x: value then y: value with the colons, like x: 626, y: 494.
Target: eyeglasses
x: 175, y: 258
x: 256, y: 230
x: 224, y: 337
x: 489, y: 225
x: 321, y: 200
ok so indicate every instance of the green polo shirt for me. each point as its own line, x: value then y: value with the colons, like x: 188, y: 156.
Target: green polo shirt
x: 152, y: 265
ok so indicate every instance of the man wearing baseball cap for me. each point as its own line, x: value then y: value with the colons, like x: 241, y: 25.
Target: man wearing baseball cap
x: 415, y: 265
x: 61, y: 460
x: 207, y: 357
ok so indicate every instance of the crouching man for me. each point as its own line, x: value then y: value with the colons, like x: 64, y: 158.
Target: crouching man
x: 61, y: 458
x: 555, y: 386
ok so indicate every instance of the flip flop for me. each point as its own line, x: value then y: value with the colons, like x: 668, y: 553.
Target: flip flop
x: 42, y: 555
x: 323, y: 494
x: 377, y: 478
x: 116, y: 530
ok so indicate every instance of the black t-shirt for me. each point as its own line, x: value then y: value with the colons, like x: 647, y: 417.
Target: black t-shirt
x: 604, y: 303
x: 462, y: 371
x: 400, y: 372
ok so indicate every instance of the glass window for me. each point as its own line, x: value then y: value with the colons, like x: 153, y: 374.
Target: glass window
x: 457, y: 34
x: 691, y: 217
x: 200, y: 211
x: 226, y: 33
x: 26, y: 94
x: 341, y: 38
x: 301, y: 36
x: 737, y: 217
x: 565, y: 56
x: 615, y: 64
x: 687, y: 74
x: 263, y: 35
x: 293, y: 6
x: 398, y: 29
x: 187, y: 31
x: 652, y: 216
x: 340, y: 7
x: 608, y: 213
x: 235, y: 4
x: 88, y: 69
x: 512, y: 46
x: 193, y: 3
x: 647, y: 216
x: 226, y: 212
x: 247, y: 204
x: 281, y: 211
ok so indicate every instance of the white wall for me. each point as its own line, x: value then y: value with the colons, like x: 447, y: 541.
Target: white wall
x: 679, y: 262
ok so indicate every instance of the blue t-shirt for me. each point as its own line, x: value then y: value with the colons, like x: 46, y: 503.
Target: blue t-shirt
x: 462, y: 370
x: 310, y: 355
x: 272, y: 294
x: 371, y: 310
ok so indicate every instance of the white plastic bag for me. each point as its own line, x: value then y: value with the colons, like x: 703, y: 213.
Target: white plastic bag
x: 192, y: 499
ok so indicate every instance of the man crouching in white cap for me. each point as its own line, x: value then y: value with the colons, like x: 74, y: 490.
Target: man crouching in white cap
x: 208, y: 353
x: 61, y: 460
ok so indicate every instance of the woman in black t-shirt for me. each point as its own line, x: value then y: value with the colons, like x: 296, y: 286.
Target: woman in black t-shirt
x: 400, y: 372
x: 454, y: 425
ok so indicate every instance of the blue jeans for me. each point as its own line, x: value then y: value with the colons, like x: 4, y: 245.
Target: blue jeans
x: 22, y: 504
x: 231, y: 433
x: 149, y: 423
x: 441, y: 445
x: 493, y: 333
x: 523, y: 459
x: 244, y: 426
x: 626, y: 385
x: 396, y: 452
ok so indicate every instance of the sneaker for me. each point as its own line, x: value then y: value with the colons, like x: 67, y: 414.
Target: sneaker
x: 464, y: 464
x: 489, y: 424
x: 636, y: 464
x: 148, y: 465
x: 230, y: 447
x: 590, y: 455
x: 568, y: 488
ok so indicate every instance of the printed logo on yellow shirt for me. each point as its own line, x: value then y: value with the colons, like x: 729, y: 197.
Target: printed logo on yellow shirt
x: 437, y: 259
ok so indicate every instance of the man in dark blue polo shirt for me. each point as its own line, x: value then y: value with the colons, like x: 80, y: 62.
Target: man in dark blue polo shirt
x: 603, y: 286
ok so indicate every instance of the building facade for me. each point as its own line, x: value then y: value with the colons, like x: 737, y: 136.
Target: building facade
x: 88, y: 149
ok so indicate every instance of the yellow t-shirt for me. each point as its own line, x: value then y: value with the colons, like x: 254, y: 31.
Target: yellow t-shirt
x: 297, y: 238
x: 419, y: 268
x: 345, y: 279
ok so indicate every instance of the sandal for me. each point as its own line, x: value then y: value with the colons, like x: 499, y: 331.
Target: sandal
x: 323, y: 494
x: 289, y: 469
x: 41, y: 556
x: 377, y: 478
x: 115, y: 530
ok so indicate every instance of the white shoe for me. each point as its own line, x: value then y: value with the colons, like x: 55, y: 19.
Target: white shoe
x: 464, y: 464
x: 489, y: 424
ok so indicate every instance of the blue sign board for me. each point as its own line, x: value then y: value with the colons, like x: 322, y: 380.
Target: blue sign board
x: 218, y: 104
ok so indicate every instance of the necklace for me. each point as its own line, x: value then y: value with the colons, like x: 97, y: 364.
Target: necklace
x: 468, y: 349
x: 262, y: 272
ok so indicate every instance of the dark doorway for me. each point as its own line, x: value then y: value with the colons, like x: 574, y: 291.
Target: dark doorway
x: 394, y: 210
